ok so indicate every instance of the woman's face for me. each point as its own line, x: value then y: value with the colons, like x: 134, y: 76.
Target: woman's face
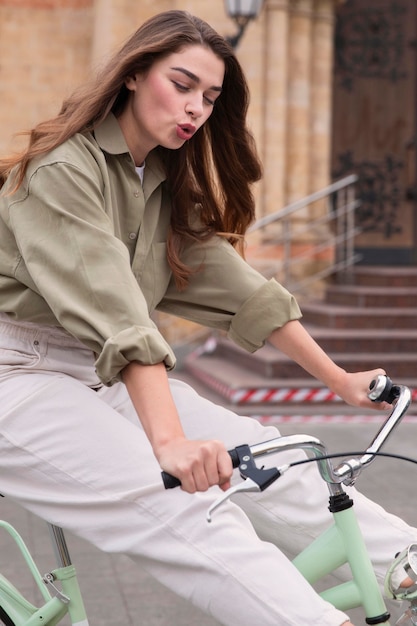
x: 172, y: 101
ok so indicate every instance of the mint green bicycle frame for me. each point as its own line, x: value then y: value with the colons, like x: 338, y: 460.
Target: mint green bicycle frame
x: 58, y: 603
x: 341, y: 543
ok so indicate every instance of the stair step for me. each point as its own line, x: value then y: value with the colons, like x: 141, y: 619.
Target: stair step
x: 337, y: 316
x: 375, y: 276
x: 334, y: 340
x: 367, y: 296
x: 365, y: 339
x: 267, y: 362
x: 233, y: 378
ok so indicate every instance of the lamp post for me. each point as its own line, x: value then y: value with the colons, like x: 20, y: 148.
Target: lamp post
x: 242, y: 12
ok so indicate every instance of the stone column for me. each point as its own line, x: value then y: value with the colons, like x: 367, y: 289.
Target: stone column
x: 116, y: 20
x: 299, y: 99
x: 321, y: 94
x: 274, y: 110
x: 309, y: 96
x: 113, y: 22
x: 320, y: 115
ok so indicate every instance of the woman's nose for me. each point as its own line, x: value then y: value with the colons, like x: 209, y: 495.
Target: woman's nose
x: 194, y: 106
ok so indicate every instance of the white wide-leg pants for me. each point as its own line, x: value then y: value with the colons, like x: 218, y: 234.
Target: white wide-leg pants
x: 74, y: 453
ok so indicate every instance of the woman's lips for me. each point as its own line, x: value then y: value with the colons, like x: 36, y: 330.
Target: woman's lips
x: 185, y: 131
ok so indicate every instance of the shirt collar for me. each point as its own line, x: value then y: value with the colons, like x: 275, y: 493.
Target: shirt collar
x: 110, y: 138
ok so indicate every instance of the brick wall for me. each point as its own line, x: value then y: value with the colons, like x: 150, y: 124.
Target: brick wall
x: 44, y: 52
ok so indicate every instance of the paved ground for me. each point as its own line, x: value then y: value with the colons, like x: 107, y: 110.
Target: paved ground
x: 118, y: 594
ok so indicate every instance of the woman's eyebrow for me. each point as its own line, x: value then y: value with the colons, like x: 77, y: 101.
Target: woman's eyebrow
x: 193, y: 77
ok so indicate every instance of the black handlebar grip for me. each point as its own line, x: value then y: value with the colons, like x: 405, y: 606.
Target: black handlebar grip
x: 235, y: 458
x: 170, y: 481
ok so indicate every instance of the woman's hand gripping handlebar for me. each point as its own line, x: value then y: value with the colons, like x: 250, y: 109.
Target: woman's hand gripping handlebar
x: 258, y: 479
x: 254, y: 478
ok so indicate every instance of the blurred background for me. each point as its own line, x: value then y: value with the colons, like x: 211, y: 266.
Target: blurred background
x: 333, y: 111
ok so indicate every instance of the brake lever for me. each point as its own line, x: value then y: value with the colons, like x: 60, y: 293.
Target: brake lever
x: 255, y: 479
x: 246, y: 486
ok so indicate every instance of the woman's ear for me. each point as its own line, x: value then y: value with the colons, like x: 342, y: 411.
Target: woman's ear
x: 130, y: 83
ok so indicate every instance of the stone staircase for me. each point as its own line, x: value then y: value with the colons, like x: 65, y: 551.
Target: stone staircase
x: 371, y: 322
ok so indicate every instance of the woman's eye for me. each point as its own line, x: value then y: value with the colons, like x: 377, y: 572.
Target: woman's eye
x: 185, y: 89
x: 180, y: 86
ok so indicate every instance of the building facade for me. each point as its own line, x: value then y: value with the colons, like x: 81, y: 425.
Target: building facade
x: 48, y: 46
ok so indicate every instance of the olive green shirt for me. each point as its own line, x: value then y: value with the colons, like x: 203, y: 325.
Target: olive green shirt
x: 83, y: 246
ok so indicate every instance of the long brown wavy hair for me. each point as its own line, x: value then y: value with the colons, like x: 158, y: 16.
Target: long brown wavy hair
x: 214, y: 169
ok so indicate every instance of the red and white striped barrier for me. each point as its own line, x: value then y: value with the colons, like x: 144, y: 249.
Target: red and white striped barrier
x: 327, y: 419
x: 271, y: 395
x: 297, y: 395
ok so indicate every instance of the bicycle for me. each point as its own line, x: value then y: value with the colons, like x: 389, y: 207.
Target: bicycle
x: 321, y: 557
x: 342, y: 543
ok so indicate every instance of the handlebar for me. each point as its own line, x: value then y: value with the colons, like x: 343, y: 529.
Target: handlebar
x: 381, y: 390
x: 347, y: 471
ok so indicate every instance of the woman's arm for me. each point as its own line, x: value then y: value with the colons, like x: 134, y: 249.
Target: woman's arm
x: 198, y: 464
x: 293, y: 340
x: 201, y: 464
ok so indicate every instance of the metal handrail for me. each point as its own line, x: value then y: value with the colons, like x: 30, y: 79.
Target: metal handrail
x: 304, y: 202
x: 341, y: 212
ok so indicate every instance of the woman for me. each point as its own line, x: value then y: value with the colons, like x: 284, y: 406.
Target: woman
x: 134, y: 198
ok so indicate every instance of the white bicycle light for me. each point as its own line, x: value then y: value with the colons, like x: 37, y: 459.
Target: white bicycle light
x: 403, y: 567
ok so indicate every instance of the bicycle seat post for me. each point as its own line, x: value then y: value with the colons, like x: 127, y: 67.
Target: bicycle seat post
x: 59, y: 543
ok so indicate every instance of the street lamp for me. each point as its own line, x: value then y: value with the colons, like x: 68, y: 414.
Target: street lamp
x: 242, y: 12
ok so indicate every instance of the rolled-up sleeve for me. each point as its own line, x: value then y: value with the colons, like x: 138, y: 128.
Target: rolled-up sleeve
x: 225, y: 292
x: 70, y: 258
x: 268, y: 308
x: 137, y: 343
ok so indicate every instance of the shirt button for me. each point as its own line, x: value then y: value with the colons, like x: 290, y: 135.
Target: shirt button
x: 136, y: 193
x: 132, y: 235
